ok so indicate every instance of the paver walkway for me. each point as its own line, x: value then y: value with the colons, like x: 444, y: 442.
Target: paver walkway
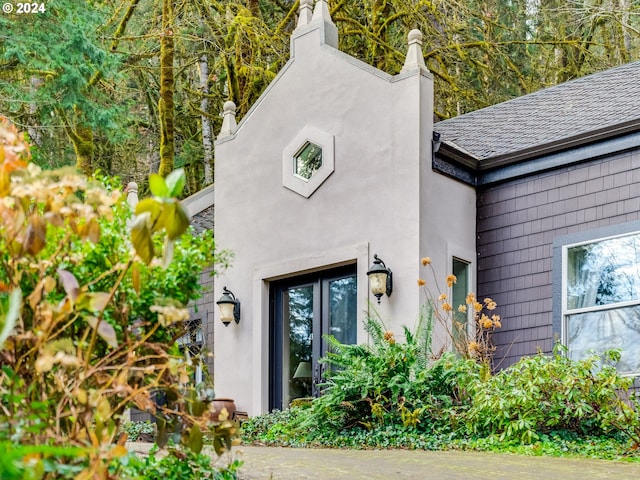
x: 324, y: 464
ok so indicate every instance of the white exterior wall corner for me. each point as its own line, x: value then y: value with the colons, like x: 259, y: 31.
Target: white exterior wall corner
x: 374, y: 201
x: 447, y: 230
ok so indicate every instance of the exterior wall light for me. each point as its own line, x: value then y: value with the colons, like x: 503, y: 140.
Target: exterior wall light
x: 229, y: 307
x: 380, y: 278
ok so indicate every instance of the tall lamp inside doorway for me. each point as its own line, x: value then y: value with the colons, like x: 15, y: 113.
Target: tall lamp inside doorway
x: 380, y: 278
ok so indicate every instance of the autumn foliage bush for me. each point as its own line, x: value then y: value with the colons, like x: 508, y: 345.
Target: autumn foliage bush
x: 92, y: 299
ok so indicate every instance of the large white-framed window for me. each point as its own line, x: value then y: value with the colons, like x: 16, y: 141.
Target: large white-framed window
x: 601, y: 298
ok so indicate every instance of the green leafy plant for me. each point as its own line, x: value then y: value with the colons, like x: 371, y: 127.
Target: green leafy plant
x: 32, y: 462
x: 88, y: 325
x: 394, y: 392
x: 274, y: 428
x: 545, y: 393
x: 543, y: 405
x: 134, y: 430
x: 387, y: 382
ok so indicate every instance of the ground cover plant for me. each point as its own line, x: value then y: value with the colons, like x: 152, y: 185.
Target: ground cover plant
x: 397, y: 393
x: 138, y: 431
x: 178, y: 465
x: 92, y: 299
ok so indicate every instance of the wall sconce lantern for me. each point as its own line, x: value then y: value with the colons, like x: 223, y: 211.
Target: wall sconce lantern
x: 380, y: 278
x: 229, y: 307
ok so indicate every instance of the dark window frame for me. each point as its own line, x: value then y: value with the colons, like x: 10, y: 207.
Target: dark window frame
x: 319, y: 280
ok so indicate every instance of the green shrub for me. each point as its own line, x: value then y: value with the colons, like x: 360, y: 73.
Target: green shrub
x: 397, y: 393
x: 31, y: 462
x: 544, y: 393
x: 88, y: 324
x: 387, y: 383
x: 383, y: 396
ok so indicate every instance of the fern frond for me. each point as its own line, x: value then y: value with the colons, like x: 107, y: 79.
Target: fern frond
x: 374, y: 326
x: 424, y: 335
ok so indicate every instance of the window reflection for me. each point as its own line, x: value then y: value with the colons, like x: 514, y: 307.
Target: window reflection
x: 299, y: 305
x: 603, y: 273
x: 342, y: 309
x: 603, y: 300
x: 605, y: 330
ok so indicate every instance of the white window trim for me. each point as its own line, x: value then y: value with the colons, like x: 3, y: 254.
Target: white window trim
x: 296, y: 183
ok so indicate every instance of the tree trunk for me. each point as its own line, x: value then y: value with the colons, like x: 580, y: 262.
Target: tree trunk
x: 165, y: 102
x: 626, y: 30
x: 34, y: 133
x: 207, y: 144
x: 82, y: 139
x: 84, y: 147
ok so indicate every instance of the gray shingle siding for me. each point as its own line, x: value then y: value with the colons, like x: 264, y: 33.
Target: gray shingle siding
x: 204, y: 220
x: 202, y: 309
x: 517, y: 224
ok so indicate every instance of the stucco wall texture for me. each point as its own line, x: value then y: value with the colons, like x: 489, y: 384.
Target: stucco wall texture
x: 516, y: 227
x: 373, y: 202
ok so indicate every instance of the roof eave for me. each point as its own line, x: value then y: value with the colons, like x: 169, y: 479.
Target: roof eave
x: 541, y: 150
x: 451, y: 152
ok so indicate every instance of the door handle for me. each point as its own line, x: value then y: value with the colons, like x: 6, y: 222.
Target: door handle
x: 318, y: 374
x: 316, y: 379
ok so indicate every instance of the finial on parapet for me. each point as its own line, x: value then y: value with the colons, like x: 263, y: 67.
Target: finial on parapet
x: 321, y: 11
x: 321, y: 16
x: 317, y: 21
x: 132, y: 194
x: 305, y: 12
x: 414, y: 58
x: 229, y: 124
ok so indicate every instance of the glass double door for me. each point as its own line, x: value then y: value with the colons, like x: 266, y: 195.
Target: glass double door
x: 303, y: 311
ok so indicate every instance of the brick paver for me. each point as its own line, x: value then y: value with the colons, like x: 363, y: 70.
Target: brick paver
x: 268, y: 463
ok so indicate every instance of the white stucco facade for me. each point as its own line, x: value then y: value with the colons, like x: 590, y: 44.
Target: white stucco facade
x: 381, y: 196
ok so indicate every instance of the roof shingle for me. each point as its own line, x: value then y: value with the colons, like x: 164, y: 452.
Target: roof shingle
x: 569, y: 110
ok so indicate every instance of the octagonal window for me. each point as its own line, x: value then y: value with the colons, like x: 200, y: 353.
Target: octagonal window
x: 308, y: 160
